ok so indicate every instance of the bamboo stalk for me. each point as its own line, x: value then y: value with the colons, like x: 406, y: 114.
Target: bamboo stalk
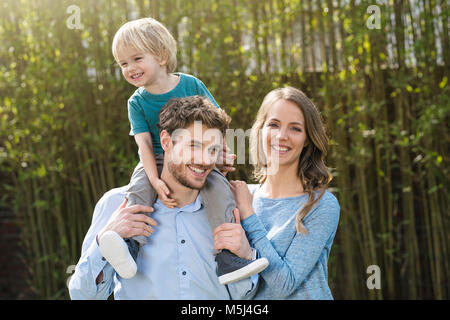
x: 344, y: 138
x: 283, y: 27
x: 312, y: 44
x: 256, y: 36
x: 303, y: 35
x: 29, y: 237
x: 42, y: 252
x: 382, y: 173
x: 428, y: 228
x: 343, y: 179
x: 436, y: 239
x: 324, y: 57
x: 265, y: 38
x: 332, y: 29
x: 445, y: 37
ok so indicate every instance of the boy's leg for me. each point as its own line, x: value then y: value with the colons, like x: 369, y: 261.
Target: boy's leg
x: 218, y: 199
x: 122, y: 253
x: 219, y: 205
x: 140, y: 191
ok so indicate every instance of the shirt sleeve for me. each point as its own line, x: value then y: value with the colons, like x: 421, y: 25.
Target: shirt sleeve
x: 285, y: 274
x: 136, y: 117
x: 82, y: 285
x: 202, y: 90
x: 244, y: 289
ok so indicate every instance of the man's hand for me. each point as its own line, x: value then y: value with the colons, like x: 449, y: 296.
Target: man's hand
x: 163, y: 193
x: 226, y: 161
x: 231, y: 236
x: 127, y: 222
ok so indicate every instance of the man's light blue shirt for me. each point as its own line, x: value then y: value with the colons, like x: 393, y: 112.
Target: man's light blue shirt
x: 176, y: 263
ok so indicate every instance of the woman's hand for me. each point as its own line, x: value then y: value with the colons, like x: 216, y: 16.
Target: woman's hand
x: 243, y: 198
x: 231, y: 236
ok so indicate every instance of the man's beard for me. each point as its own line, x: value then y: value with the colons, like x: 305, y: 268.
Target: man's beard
x: 177, y: 172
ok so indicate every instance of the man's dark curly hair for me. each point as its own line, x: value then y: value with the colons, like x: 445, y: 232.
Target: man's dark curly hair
x: 179, y: 113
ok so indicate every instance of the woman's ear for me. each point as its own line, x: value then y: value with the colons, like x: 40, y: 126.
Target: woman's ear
x: 166, y: 140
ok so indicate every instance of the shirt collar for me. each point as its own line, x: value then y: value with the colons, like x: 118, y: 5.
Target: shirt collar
x: 192, y: 207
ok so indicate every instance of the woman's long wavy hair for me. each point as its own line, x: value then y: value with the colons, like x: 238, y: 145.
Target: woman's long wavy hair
x: 312, y: 171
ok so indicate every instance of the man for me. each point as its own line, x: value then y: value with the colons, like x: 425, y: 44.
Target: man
x: 178, y: 260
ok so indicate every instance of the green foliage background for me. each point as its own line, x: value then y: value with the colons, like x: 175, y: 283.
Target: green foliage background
x: 383, y: 92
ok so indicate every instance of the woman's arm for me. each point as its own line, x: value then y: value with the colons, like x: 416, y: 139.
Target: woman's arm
x: 286, y: 273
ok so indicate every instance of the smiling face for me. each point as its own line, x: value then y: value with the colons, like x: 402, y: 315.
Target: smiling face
x: 139, y: 68
x: 191, y: 153
x: 283, y: 134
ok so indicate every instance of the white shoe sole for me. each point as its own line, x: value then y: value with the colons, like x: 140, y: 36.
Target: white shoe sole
x: 115, y: 251
x: 253, y: 268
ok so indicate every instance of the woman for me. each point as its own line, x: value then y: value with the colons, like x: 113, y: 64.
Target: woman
x: 291, y: 219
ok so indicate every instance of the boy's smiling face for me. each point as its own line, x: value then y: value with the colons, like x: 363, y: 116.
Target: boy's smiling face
x: 140, y: 69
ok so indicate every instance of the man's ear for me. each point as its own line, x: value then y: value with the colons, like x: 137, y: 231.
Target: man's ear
x: 166, y: 140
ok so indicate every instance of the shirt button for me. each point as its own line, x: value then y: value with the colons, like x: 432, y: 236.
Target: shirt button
x: 182, y: 241
x: 184, y: 273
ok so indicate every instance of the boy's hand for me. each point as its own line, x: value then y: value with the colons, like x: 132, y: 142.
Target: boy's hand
x: 226, y: 161
x: 243, y: 198
x: 163, y: 193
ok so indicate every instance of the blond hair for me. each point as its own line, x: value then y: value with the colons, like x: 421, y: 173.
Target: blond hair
x: 150, y: 36
x: 312, y: 171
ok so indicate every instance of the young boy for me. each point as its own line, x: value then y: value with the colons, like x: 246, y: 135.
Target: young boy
x: 146, y: 53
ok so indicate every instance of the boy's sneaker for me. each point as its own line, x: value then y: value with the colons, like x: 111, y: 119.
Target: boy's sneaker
x: 231, y: 268
x: 115, y: 251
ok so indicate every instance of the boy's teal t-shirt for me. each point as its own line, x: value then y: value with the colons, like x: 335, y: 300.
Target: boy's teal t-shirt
x: 144, y: 107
